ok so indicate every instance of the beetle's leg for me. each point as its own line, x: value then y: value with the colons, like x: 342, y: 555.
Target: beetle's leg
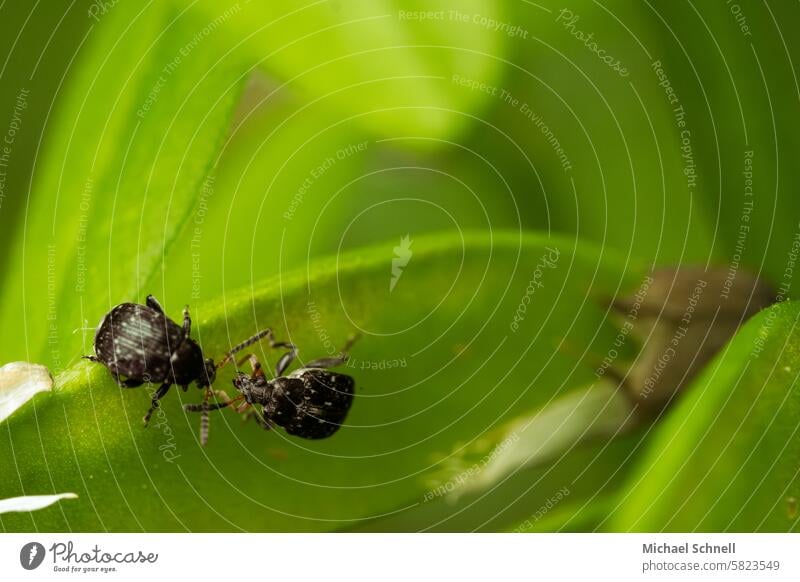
x: 263, y: 421
x: 286, y: 359
x: 267, y: 333
x: 255, y: 365
x: 327, y: 362
x: 221, y: 395
x: 246, y: 343
x: 187, y: 321
x: 90, y: 358
x: 153, y: 303
x: 283, y: 362
x: 158, y: 395
x: 243, y: 406
x: 249, y: 411
x: 127, y: 383
x: 336, y: 361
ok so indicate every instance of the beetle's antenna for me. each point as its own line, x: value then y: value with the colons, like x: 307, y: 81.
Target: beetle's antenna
x: 204, y: 424
x: 247, y: 343
x: 209, y: 406
x: 84, y: 327
x: 203, y: 408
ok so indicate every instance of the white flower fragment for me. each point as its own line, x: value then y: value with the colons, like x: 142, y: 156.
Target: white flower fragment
x: 32, y: 502
x: 19, y: 382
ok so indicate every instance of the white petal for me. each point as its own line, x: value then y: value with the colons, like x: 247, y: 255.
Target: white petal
x: 32, y: 502
x: 19, y: 382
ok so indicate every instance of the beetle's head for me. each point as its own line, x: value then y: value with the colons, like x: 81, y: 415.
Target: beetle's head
x: 209, y: 374
x: 246, y: 386
x: 241, y: 382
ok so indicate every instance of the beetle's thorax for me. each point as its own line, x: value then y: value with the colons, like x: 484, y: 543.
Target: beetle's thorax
x: 188, y: 364
x: 210, y: 375
x: 255, y: 390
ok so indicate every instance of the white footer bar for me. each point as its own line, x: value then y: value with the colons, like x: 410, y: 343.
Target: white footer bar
x: 388, y: 557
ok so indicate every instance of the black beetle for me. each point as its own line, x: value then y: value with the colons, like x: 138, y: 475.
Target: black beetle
x: 311, y: 402
x: 140, y: 344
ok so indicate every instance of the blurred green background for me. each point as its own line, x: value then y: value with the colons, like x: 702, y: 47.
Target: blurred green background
x: 194, y: 149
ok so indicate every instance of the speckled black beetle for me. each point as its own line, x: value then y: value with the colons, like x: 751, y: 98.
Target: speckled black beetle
x: 139, y: 344
x: 311, y: 402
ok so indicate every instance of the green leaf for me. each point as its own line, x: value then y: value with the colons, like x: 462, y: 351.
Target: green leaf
x: 376, y: 62
x: 38, y: 46
x: 586, y: 149
x: 292, y: 185
x: 726, y: 458
x: 559, y: 514
x: 438, y: 367
x: 137, y: 133
x: 739, y: 100
x: 568, y: 493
